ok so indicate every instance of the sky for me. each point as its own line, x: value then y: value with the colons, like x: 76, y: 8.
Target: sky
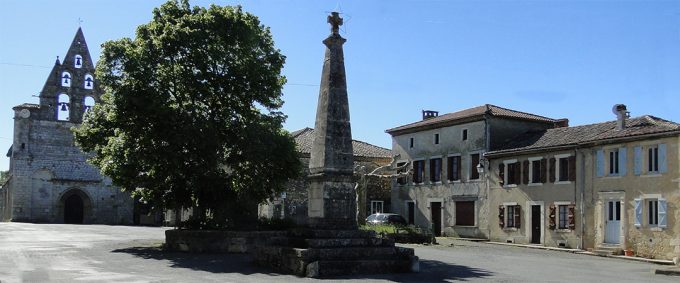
x: 560, y: 59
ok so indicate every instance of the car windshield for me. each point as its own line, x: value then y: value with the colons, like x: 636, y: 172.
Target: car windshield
x: 371, y: 217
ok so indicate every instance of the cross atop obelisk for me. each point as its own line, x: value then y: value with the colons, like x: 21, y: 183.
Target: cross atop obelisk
x: 332, y: 199
x: 336, y: 21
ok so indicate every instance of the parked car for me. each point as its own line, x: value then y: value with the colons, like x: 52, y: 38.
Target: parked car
x: 386, y: 218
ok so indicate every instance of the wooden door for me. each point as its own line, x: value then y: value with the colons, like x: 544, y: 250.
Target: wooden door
x: 436, y: 217
x: 612, y: 233
x: 536, y: 224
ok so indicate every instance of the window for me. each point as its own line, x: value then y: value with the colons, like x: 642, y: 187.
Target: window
x: 78, y: 61
x: 653, y: 159
x: 89, y: 82
x: 436, y: 138
x: 563, y: 168
x: 563, y: 222
x: 653, y: 212
x: 410, y: 143
x: 418, y: 171
x: 63, y: 107
x: 376, y: 206
x: 562, y: 216
x: 453, y: 163
x: 66, y: 79
x: 465, y: 134
x: 513, y: 171
x: 474, y: 161
x: 465, y: 213
x: 435, y: 170
x: 614, y: 162
x: 401, y: 180
x: 88, y: 103
x: 509, y: 215
x: 536, y: 171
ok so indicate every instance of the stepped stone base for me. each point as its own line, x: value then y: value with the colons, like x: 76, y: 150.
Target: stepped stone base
x: 607, y: 250
x: 323, y: 253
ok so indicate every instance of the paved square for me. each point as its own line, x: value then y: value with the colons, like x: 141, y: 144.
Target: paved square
x: 100, y: 253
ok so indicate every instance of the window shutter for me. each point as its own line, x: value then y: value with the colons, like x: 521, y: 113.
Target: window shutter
x: 600, y: 163
x: 662, y: 213
x: 623, y: 162
x: 525, y: 172
x: 637, y: 160
x: 518, y: 173
x: 518, y: 219
x: 662, y: 159
x: 544, y: 170
x: 551, y: 217
x: 501, y: 216
x: 552, y: 169
x: 501, y: 173
x: 638, y: 212
x: 572, y: 219
x: 572, y: 168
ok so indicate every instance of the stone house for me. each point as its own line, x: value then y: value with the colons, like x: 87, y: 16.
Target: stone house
x: 50, y: 180
x: 609, y: 186
x: 292, y: 204
x: 446, y: 191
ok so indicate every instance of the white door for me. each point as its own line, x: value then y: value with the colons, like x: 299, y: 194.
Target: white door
x: 612, y: 233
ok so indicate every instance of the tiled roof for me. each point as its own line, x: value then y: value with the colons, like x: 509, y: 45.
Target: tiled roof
x: 573, y: 136
x: 305, y: 137
x: 472, y: 114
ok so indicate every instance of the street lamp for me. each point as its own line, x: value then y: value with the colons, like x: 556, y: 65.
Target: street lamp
x: 480, y: 168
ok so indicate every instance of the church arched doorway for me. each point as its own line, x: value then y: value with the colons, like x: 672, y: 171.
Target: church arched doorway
x: 74, y: 209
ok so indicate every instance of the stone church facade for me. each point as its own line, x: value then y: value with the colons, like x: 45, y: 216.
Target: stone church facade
x: 50, y: 180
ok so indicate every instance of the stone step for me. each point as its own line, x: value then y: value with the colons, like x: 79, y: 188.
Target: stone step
x: 326, y: 268
x: 354, y: 253
x: 336, y: 243
x: 605, y: 250
x: 331, y: 234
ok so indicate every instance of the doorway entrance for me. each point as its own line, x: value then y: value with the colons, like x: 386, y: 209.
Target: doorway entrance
x: 436, y: 217
x: 535, y: 224
x: 73, y: 210
x: 411, y: 212
x: 612, y: 233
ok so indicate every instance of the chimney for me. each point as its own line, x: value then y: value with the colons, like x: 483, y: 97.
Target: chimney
x: 427, y: 114
x: 562, y: 123
x: 621, y: 115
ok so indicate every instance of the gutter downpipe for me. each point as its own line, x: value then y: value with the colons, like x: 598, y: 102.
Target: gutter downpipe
x: 580, y: 183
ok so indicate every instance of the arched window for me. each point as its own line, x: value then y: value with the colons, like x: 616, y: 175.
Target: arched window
x: 89, y: 82
x: 89, y: 103
x: 78, y: 61
x: 63, y: 107
x: 66, y: 79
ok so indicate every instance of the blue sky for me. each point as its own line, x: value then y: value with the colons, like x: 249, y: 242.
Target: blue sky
x: 572, y: 59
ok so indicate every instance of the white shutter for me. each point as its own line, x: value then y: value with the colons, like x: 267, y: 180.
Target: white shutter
x: 662, y: 213
x: 638, y: 212
x: 599, y: 164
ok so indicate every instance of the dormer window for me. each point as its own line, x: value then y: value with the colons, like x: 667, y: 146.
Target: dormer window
x: 89, y: 103
x: 66, y: 79
x: 78, y: 61
x: 63, y: 107
x: 89, y: 81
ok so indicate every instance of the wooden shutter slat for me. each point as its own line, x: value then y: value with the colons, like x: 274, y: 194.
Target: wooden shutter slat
x: 572, y: 219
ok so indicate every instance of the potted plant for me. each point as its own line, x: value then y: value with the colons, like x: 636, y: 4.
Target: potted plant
x: 628, y: 252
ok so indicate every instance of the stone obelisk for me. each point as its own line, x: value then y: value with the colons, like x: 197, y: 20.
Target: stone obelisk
x: 332, y: 197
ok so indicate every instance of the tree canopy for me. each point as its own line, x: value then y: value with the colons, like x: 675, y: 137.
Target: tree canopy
x: 189, y: 115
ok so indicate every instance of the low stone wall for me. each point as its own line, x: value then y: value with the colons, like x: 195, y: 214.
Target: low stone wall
x: 212, y: 241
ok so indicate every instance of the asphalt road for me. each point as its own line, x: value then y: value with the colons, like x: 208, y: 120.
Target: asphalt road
x: 100, y: 253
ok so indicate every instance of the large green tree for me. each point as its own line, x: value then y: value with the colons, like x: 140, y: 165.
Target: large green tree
x: 189, y: 114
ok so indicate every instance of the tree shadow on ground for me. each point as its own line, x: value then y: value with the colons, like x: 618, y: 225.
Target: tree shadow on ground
x: 430, y: 270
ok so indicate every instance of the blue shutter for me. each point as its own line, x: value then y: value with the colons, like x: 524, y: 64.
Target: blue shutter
x: 600, y: 163
x: 662, y: 213
x: 623, y: 162
x: 662, y: 159
x: 638, y: 212
x: 637, y: 161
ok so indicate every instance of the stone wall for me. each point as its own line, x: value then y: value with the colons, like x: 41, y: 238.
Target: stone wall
x: 47, y: 167
x: 198, y: 241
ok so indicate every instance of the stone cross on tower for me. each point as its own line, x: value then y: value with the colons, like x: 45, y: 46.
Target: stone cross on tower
x: 336, y: 21
x: 332, y: 197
